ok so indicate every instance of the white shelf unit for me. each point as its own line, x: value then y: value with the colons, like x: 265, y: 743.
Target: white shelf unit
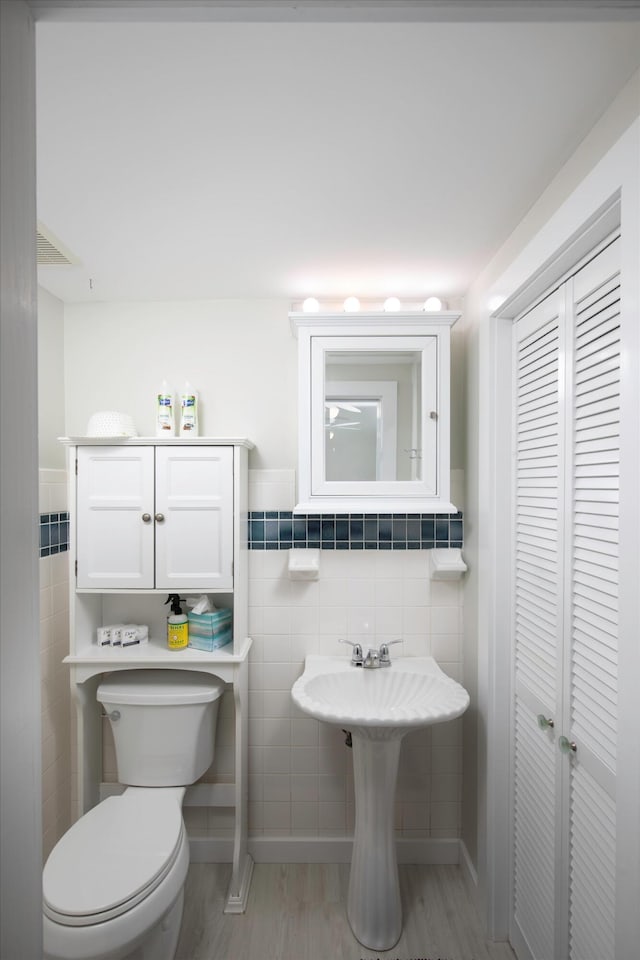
x: 90, y: 608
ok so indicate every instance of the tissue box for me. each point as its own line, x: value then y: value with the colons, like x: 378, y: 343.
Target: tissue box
x: 209, y: 631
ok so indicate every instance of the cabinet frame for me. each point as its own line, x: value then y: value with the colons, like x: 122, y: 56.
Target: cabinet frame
x: 88, y: 663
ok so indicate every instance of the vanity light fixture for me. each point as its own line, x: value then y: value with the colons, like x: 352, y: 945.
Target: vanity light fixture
x: 351, y: 305
x: 310, y: 305
x: 433, y: 305
x: 392, y: 305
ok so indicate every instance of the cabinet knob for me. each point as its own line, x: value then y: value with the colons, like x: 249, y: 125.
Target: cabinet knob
x: 159, y: 517
x: 146, y: 517
x: 567, y: 746
x: 545, y: 723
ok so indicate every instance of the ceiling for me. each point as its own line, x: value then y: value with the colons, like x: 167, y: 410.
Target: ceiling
x: 233, y: 155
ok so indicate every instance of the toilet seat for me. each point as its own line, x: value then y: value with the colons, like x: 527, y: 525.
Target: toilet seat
x: 114, y: 856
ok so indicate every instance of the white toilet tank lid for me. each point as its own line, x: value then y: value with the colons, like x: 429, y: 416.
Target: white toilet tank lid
x: 113, y: 856
x: 168, y: 687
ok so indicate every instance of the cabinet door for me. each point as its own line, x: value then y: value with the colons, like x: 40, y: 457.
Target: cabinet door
x: 591, y: 712
x: 566, y: 588
x: 194, y: 518
x: 538, y: 623
x: 115, y: 495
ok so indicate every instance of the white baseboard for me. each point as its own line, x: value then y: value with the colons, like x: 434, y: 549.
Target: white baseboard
x: 319, y: 850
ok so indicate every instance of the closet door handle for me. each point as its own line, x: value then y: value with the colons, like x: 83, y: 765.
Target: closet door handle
x: 545, y: 723
x: 146, y: 517
x: 567, y: 746
x: 159, y: 517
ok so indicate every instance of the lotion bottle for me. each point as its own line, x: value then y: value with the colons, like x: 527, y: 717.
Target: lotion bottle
x: 165, y: 412
x: 188, y: 412
x: 177, y: 624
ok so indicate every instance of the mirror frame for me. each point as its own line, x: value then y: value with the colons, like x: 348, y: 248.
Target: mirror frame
x: 319, y: 334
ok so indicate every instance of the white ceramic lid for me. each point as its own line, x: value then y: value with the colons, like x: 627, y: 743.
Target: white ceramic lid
x: 159, y: 687
x: 113, y: 855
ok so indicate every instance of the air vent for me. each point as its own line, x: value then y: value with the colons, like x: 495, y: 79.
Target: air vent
x: 51, y: 251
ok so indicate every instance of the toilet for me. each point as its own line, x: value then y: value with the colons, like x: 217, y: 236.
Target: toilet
x: 113, y: 885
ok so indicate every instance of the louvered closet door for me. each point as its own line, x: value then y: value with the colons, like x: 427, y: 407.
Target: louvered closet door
x: 591, y: 706
x: 567, y: 454
x: 539, y: 347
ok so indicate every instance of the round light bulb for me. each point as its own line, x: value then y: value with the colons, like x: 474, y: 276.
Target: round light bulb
x: 310, y: 305
x: 351, y: 305
x: 433, y: 304
x: 392, y: 305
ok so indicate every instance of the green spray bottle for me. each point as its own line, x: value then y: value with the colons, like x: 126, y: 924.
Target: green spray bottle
x: 177, y: 624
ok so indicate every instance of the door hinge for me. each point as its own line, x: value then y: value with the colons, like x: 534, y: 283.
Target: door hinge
x: 76, y: 466
x: 76, y: 566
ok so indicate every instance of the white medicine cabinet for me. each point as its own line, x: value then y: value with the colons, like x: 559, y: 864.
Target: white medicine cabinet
x: 373, y: 430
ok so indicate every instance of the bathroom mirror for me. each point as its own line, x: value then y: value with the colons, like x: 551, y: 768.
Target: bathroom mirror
x: 374, y: 413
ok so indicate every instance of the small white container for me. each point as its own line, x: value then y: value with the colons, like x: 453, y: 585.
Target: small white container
x: 188, y: 412
x: 165, y: 412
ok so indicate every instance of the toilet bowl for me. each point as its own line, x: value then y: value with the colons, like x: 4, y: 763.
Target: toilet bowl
x: 113, y: 885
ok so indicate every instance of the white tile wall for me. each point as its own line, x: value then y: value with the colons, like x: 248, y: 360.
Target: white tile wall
x: 301, y: 779
x: 54, y: 641
x: 300, y: 772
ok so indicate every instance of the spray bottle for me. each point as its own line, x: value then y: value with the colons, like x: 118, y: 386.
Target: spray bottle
x: 177, y: 624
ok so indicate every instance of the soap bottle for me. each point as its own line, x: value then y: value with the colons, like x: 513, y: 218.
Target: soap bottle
x: 165, y: 413
x: 177, y: 624
x: 188, y: 412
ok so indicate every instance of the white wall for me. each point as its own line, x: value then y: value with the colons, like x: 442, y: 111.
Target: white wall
x: 242, y: 358
x: 481, y: 733
x: 56, y: 717
x: 50, y: 380
x: 54, y: 579
x: 20, y: 810
x: 239, y: 355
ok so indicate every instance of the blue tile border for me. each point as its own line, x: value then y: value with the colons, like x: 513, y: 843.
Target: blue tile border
x: 54, y: 533
x: 282, y: 530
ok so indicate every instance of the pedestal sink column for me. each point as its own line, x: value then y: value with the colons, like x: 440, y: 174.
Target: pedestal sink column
x: 373, y: 906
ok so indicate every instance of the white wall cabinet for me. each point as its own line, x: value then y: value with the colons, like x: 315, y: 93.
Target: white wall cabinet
x: 154, y: 517
x: 150, y: 517
x: 374, y: 412
x: 566, y: 797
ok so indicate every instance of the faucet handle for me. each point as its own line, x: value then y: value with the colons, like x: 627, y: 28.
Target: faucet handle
x: 356, y: 653
x: 384, y: 650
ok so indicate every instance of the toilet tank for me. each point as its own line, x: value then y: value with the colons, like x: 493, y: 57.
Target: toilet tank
x: 163, y: 723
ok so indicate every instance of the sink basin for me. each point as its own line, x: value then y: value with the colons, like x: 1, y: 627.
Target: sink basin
x: 383, y: 703
x: 378, y: 706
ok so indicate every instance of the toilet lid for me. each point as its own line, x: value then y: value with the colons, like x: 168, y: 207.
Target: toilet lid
x: 113, y: 857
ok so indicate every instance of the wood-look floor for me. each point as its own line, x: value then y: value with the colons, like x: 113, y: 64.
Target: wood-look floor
x: 297, y: 912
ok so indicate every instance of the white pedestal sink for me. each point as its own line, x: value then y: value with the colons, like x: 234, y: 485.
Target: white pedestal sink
x: 378, y: 706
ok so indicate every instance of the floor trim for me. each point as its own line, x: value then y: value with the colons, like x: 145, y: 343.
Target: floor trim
x: 320, y: 850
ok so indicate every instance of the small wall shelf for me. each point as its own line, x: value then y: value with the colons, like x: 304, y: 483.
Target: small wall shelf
x: 447, y: 564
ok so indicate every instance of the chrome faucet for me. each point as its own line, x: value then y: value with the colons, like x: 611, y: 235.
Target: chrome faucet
x: 357, y: 659
x: 374, y: 658
x: 384, y: 658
